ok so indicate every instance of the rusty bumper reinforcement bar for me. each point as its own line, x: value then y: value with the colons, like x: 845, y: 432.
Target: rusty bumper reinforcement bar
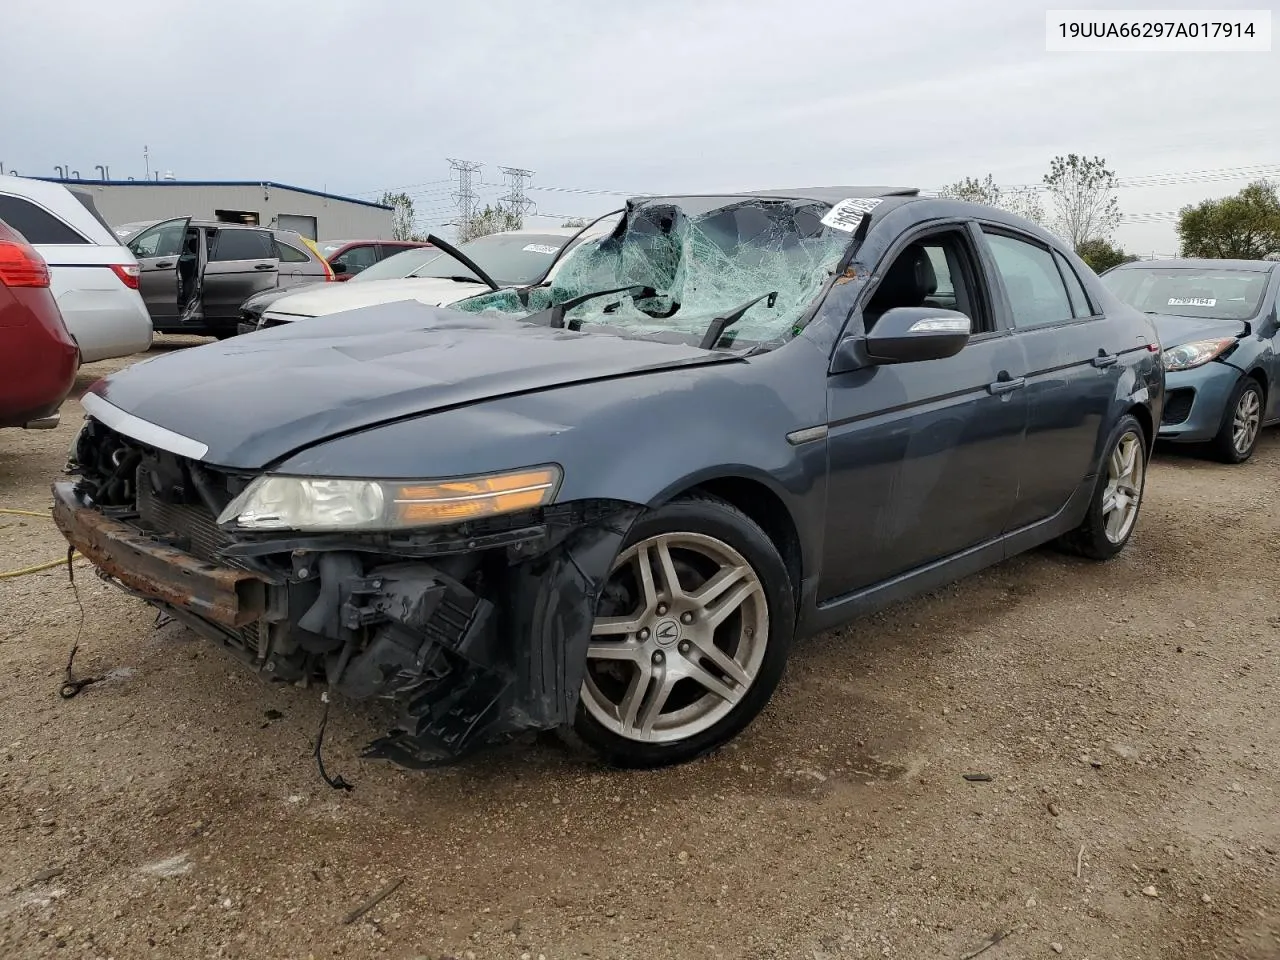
x: 224, y: 595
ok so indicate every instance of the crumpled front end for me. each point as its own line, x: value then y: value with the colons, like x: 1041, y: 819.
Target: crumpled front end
x: 473, y: 632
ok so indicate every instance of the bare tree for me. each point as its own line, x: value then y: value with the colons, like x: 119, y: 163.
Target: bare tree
x: 974, y: 191
x: 1024, y: 202
x: 1084, y: 197
x: 487, y: 221
x: 401, y: 215
x: 1020, y: 201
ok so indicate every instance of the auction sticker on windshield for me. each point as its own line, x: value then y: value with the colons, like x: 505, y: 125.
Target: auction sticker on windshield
x: 847, y: 214
x: 540, y: 248
x: 1193, y: 301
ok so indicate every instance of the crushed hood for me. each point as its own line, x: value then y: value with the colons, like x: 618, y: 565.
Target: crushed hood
x: 1174, y: 331
x: 332, y: 297
x: 251, y: 400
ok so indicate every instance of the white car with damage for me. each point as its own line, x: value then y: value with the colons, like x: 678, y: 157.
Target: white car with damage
x: 512, y: 259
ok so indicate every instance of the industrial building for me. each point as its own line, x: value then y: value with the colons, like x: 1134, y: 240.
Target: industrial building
x: 312, y: 213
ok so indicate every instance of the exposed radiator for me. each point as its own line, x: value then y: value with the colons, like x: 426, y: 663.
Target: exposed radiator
x: 192, y: 525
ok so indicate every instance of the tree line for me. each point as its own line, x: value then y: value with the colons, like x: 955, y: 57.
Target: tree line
x: 1085, y: 212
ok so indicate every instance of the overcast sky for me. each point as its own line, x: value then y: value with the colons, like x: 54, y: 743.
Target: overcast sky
x: 642, y: 96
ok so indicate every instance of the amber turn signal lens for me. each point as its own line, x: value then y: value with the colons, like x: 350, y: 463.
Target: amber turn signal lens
x: 452, y: 501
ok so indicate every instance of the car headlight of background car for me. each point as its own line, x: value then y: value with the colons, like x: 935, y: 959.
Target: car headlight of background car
x: 1197, y: 352
x: 315, y: 503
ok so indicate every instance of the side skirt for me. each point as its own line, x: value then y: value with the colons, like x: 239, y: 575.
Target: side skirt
x: 828, y: 614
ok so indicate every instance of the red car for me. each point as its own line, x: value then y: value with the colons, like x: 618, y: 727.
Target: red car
x: 38, y: 357
x: 349, y: 257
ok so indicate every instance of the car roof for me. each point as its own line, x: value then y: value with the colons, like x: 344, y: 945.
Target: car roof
x: 1194, y: 263
x: 61, y: 201
x: 828, y: 195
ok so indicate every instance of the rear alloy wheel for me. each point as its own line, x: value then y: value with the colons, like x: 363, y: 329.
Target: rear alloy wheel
x: 1117, y: 497
x: 1238, y: 435
x: 690, y: 637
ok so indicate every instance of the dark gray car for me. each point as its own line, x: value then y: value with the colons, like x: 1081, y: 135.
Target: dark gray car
x: 196, y: 273
x: 614, y: 501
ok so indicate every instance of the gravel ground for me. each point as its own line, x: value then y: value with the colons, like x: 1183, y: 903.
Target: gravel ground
x: 1124, y: 712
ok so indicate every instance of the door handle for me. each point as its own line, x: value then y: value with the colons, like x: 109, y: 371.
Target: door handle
x: 164, y: 264
x: 1006, y: 385
x: 1104, y: 359
x: 264, y: 266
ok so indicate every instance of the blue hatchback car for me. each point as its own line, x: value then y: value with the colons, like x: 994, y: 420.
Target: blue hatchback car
x: 1221, y: 340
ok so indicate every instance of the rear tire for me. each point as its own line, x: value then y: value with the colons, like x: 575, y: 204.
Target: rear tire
x: 1117, y: 497
x: 676, y: 670
x: 1241, y: 424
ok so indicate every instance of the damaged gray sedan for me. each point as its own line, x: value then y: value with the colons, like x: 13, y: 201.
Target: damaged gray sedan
x: 611, y: 502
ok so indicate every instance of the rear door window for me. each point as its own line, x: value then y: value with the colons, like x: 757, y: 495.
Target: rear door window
x: 35, y: 223
x: 1080, y: 305
x: 244, y: 245
x: 1037, y: 294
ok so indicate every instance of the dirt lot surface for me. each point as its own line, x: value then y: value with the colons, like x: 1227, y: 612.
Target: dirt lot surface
x: 1127, y: 710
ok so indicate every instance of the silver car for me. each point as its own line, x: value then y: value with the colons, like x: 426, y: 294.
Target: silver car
x: 196, y: 273
x: 93, y: 278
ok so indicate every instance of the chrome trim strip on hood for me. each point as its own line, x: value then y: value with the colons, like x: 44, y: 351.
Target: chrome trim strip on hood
x: 144, y: 431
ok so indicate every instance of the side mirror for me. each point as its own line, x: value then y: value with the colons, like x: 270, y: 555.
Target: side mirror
x: 905, y: 335
x: 911, y: 334
x: 338, y: 266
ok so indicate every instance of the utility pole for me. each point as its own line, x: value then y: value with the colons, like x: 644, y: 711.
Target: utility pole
x: 465, y: 195
x: 517, y: 203
x: 146, y: 162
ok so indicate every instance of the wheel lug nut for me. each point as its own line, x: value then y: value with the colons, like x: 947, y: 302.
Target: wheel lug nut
x: 662, y: 608
x: 686, y: 617
x: 685, y: 646
x: 658, y: 657
x: 644, y: 633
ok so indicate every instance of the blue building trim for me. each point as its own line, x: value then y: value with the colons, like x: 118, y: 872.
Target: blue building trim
x: 72, y: 182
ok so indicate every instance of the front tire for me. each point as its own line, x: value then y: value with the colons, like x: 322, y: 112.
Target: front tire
x: 1117, y: 497
x: 1238, y: 436
x: 690, y: 638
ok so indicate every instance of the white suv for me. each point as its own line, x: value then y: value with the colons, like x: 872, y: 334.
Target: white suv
x: 93, y: 278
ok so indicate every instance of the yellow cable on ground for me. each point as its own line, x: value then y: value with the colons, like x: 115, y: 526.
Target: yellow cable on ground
x: 8, y: 574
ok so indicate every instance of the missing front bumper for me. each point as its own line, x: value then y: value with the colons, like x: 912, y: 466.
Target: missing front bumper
x: 465, y: 659
x: 227, y: 596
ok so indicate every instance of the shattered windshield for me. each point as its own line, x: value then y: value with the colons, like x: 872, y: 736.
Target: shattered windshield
x: 699, y: 258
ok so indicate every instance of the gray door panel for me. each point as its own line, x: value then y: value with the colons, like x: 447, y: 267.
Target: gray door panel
x: 923, y: 461
x: 230, y: 278
x: 1073, y: 371
x: 157, y: 249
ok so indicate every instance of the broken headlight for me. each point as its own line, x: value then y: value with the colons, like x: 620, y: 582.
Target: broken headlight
x: 319, y: 504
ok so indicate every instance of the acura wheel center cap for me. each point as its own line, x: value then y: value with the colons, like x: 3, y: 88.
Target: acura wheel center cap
x: 666, y: 632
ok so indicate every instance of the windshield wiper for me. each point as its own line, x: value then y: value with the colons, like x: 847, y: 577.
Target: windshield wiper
x: 463, y: 259
x: 718, y: 326
x: 554, y: 316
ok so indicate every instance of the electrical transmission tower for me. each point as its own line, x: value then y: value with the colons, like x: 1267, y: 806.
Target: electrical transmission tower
x: 517, y: 203
x: 465, y: 195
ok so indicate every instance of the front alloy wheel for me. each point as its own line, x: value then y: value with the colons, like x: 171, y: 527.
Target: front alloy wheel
x: 686, y: 647
x: 1238, y: 435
